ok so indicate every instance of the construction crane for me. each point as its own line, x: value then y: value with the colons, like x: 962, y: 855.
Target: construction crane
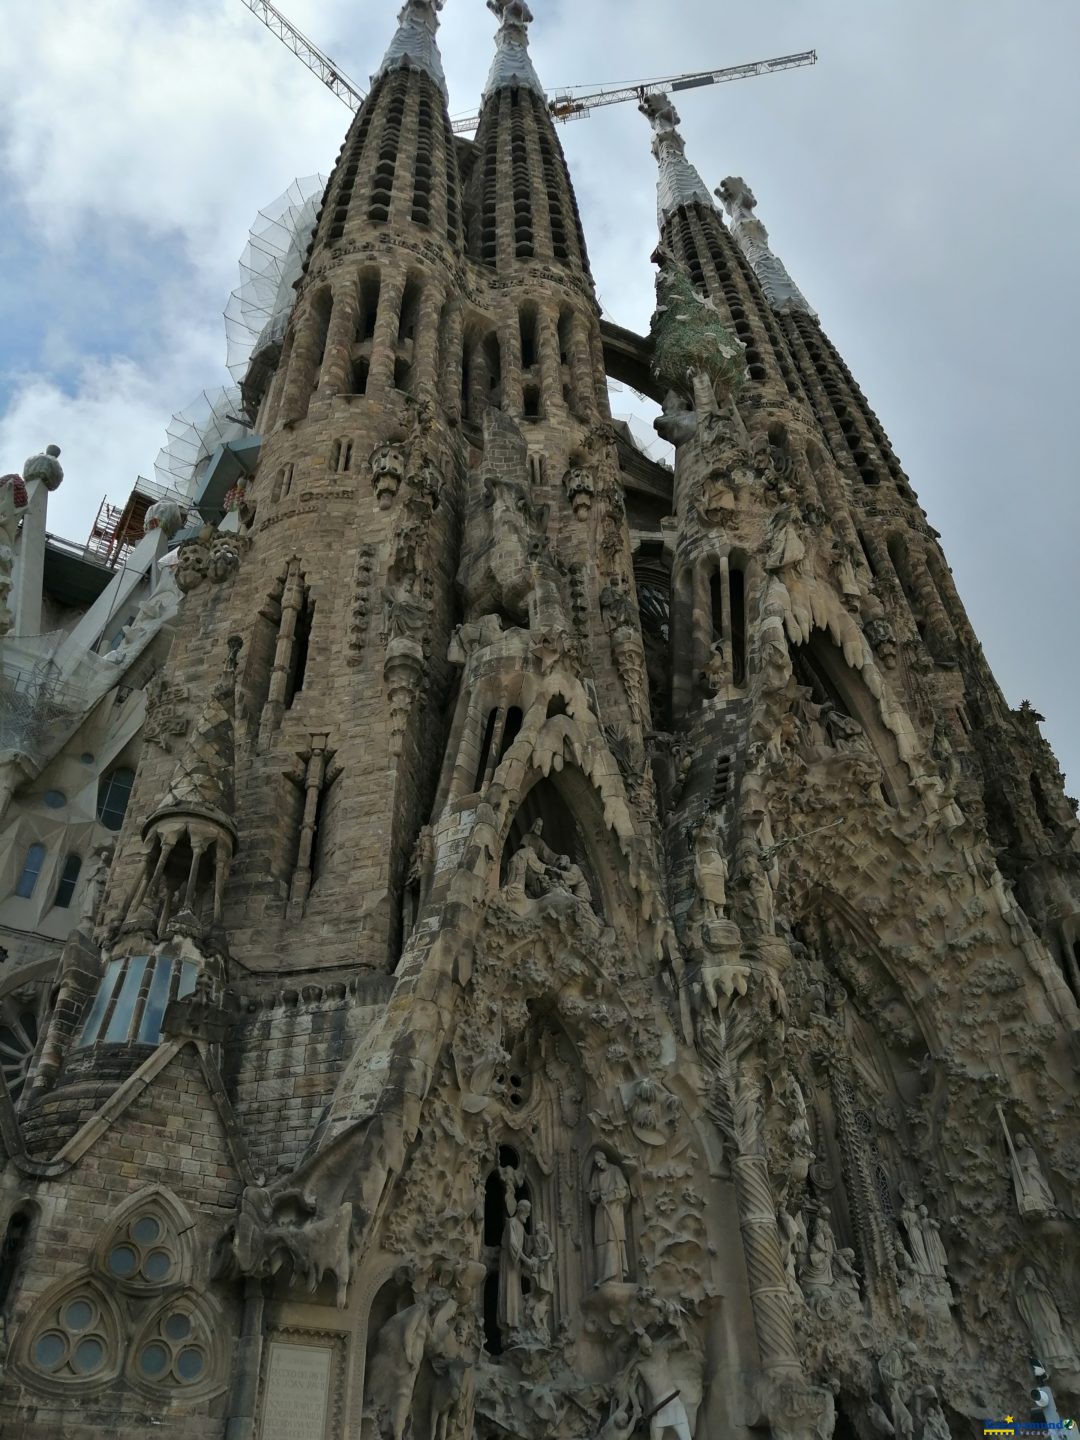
x: 315, y: 59
x: 574, y: 103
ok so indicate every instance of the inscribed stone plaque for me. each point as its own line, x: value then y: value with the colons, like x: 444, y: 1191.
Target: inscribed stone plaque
x: 297, y: 1392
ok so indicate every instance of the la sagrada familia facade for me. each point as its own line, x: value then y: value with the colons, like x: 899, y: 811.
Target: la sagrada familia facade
x: 594, y: 954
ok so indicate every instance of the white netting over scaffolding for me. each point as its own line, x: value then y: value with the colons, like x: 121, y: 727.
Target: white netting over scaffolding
x: 259, y: 308
x: 212, y: 419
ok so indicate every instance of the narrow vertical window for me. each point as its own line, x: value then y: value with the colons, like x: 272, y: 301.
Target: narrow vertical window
x: 96, y: 1013
x: 114, y: 792
x: 156, y: 1000
x: 737, y: 592
x: 11, y: 1252
x: 119, y: 1026
x: 35, y: 859
x: 68, y: 880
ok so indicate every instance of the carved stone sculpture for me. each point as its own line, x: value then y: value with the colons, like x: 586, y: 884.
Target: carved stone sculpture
x: 396, y: 1360
x: 514, y: 1263
x: 710, y: 867
x: 580, y: 490
x: 1039, y: 1312
x: 663, y: 1400
x: 45, y: 467
x: 1034, y: 1198
x: 13, y: 501
x: 387, y: 471
x: 609, y: 1193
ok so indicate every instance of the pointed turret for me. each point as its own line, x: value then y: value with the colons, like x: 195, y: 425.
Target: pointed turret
x: 693, y: 233
x: 753, y: 239
x: 414, y: 46
x: 520, y: 158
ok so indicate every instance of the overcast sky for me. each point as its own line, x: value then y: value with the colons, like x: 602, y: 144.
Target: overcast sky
x: 920, y: 182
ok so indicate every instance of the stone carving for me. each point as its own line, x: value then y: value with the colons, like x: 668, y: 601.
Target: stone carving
x: 817, y: 1270
x: 663, y: 1400
x: 711, y: 868
x: 539, y: 881
x: 361, y: 607
x: 13, y: 501
x: 45, y: 467
x: 1039, y: 1312
x: 620, y: 618
x: 609, y: 1194
x: 273, y: 1230
x: 580, y: 489
x: 928, y: 1255
x: 387, y: 471
x: 405, y: 613
x: 402, y: 1344
x: 211, y: 555
x: 1034, y: 1198
x: 514, y: 1263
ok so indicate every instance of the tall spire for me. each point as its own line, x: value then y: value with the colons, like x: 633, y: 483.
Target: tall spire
x: 679, y: 183
x: 753, y: 240
x: 414, y: 46
x: 512, y: 65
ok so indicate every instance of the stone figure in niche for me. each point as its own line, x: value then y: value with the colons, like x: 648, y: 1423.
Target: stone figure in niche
x: 711, y: 868
x: 1040, y: 1314
x: 663, y: 1401
x: 928, y: 1254
x: 535, y: 873
x: 794, y: 1246
x: 897, y: 1391
x: 387, y: 471
x: 514, y: 1263
x: 842, y: 732
x: 817, y: 1271
x: 405, y: 615
x: 609, y: 1193
x: 1034, y: 1198
x: 758, y: 876
x: 395, y: 1364
x: 616, y: 605
x: 542, y: 1255
x: 715, y: 672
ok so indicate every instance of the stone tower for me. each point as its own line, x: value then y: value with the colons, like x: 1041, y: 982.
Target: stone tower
x: 599, y: 955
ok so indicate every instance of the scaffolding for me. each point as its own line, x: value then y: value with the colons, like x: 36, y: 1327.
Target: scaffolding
x: 117, y: 529
x: 213, y: 418
x: 273, y: 261
x: 37, y: 710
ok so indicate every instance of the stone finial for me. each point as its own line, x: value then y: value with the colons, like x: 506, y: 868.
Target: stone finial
x: 679, y: 182
x: 45, y: 467
x: 512, y: 65
x: 753, y: 240
x: 414, y: 46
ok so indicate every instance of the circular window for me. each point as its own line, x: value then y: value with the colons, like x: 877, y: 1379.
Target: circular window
x: 157, y: 1265
x: 178, y: 1326
x: 55, y: 799
x: 123, y: 1261
x: 50, y: 1350
x: 78, y: 1316
x: 86, y: 758
x: 189, y: 1364
x: 146, y: 1230
x: 89, y: 1354
x: 154, y: 1359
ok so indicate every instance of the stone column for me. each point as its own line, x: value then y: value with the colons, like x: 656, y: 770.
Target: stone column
x: 384, y: 341
x: 547, y: 334
x: 30, y: 560
x: 769, y: 1293
x: 450, y: 362
x: 340, y: 336
x: 427, y: 359
x: 512, y: 385
x: 291, y: 600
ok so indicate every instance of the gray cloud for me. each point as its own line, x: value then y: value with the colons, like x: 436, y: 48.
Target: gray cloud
x: 919, y: 183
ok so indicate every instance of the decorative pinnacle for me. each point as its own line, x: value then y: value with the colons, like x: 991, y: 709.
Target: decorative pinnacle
x: 512, y: 65
x: 753, y: 240
x: 678, y: 183
x: 414, y: 46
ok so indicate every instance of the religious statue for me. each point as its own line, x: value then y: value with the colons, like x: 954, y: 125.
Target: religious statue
x: 616, y: 605
x: 1034, y: 1198
x: 710, y: 867
x: 1040, y: 1314
x: 758, y: 876
x: 405, y: 615
x: 395, y: 1364
x: 609, y: 1192
x: 663, y: 1397
x: 387, y: 471
x: 542, y: 1254
x: 514, y: 1262
x: 817, y: 1271
x: 924, y: 1242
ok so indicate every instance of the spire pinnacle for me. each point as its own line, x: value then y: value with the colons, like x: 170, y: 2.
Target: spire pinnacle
x: 753, y: 240
x: 679, y: 182
x: 512, y: 65
x: 414, y: 46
